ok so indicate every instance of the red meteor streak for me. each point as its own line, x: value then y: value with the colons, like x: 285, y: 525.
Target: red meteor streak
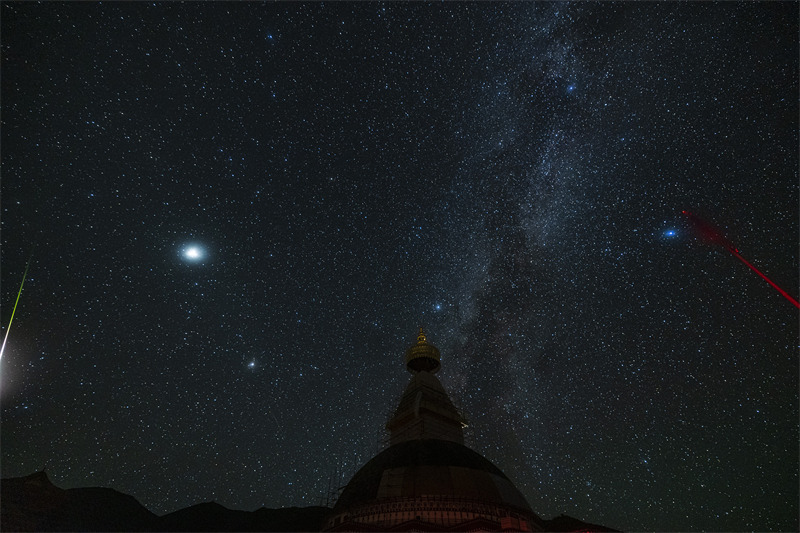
x: 709, y: 232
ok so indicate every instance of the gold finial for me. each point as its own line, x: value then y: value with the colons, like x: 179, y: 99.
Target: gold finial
x: 423, y: 356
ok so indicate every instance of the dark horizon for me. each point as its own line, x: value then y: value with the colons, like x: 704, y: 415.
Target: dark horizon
x: 33, y: 503
x: 240, y: 213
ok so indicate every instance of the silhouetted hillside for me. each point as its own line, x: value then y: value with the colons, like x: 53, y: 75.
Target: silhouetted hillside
x: 212, y: 516
x: 567, y: 523
x: 33, y: 503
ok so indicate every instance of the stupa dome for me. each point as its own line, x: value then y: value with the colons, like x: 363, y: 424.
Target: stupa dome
x: 428, y: 468
x: 431, y: 482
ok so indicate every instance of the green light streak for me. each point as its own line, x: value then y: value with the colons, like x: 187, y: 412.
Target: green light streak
x: 19, y: 293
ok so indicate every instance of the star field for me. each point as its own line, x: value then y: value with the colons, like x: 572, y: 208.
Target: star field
x: 240, y: 213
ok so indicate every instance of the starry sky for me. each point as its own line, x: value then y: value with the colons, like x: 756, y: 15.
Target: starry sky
x: 237, y: 215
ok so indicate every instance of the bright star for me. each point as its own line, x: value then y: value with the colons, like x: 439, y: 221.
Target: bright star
x: 251, y: 364
x: 193, y: 253
x: 670, y: 233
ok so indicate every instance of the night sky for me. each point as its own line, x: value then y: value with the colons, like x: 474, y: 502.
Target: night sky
x: 239, y: 214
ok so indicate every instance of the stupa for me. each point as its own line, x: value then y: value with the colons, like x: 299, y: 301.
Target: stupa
x: 427, y: 479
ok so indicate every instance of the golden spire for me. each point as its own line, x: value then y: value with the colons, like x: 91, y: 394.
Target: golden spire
x: 423, y: 356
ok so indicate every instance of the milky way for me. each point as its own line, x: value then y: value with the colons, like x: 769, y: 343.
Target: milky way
x: 510, y: 176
